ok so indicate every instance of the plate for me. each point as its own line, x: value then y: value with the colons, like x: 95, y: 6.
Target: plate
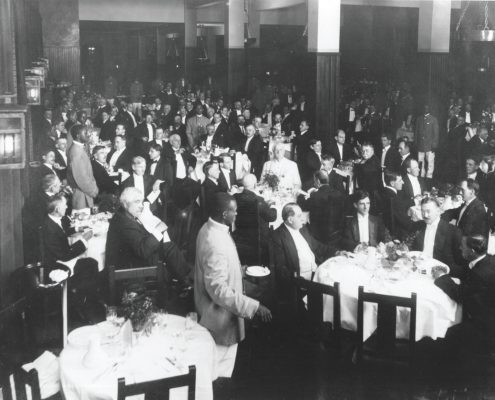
x: 257, y: 271
x: 425, y: 263
x: 80, y: 337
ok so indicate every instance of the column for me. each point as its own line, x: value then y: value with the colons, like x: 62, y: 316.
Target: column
x: 433, y: 49
x: 190, y: 40
x: 234, y: 44
x: 60, y: 25
x: 8, y: 88
x: 324, y: 40
x: 253, y: 49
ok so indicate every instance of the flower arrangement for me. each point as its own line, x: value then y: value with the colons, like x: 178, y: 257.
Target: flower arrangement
x: 137, y: 308
x: 393, y: 250
x: 272, y: 181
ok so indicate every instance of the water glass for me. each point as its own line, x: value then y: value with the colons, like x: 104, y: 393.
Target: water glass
x: 112, y: 314
x: 191, y: 320
x: 162, y: 319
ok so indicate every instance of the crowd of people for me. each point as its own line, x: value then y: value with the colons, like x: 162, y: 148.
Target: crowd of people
x: 387, y: 173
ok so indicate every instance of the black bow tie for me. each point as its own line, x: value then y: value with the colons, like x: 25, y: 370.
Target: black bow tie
x: 154, y: 162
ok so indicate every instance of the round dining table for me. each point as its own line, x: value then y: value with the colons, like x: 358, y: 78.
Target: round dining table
x: 167, y: 351
x: 436, y: 312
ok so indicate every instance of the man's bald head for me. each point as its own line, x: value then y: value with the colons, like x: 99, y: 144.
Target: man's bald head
x: 249, y: 182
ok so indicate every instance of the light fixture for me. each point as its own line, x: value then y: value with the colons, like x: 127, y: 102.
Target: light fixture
x: 202, y: 49
x: 33, y: 89
x: 474, y: 24
x: 12, y: 136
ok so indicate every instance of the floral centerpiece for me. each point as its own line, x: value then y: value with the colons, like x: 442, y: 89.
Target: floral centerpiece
x: 272, y: 181
x: 393, y: 250
x: 137, y: 308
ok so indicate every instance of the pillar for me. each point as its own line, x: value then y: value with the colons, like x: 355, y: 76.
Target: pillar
x: 8, y: 87
x: 324, y: 40
x: 234, y: 45
x: 253, y: 29
x: 60, y: 26
x: 433, y: 49
x: 190, y: 40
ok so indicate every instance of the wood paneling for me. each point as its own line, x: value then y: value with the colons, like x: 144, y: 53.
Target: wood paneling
x: 327, y: 95
x: 436, y: 70
x: 236, y: 73
x: 64, y: 63
x: 8, y: 88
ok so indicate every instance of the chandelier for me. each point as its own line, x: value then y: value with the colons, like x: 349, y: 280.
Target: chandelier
x: 476, y: 23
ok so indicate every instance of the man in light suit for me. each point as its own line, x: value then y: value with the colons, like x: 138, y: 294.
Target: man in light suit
x: 218, y: 291
x: 427, y: 141
x: 196, y: 127
x: 80, y: 172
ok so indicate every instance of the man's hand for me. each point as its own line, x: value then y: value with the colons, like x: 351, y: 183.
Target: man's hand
x: 264, y: 313
x: 156, y: 185
x: 87, y: 235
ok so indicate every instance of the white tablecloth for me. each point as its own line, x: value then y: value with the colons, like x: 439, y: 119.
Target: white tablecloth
x: 242, y: 166
x: 145, y: 361
x: 436, y: 312
x: 96, y: 246
x: 280, y: 198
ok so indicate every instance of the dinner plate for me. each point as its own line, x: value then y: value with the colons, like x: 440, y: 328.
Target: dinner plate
x: 80, y: 337
x: 257, y: 271
x: 426, y: 263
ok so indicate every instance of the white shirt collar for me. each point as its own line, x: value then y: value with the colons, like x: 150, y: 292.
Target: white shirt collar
x: 363, y: 217
x: 473, y: 263
x: 218, y: 225
x: 57, y: 220
x: 291, y: 229
x: 391, y: 188
x: 386, y: 148
x: 434, y: 224
x: 137, y: 177
x: 48, y: 165
x: 78, y: 143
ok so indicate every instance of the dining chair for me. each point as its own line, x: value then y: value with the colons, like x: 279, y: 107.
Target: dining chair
x: 202, y: 204
x: 183, y: 222
x: 151, y: 276
x: 249, y: 245
x: 315, y: 292
x: 383, y: 345
x: 160, y: 388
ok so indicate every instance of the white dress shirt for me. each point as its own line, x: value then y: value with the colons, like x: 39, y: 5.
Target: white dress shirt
x: 468, y: 117
x: 403, y: 158
x: 463, y: 210
x: 226, y: 174
x: 430, y: 232
x: 285, y: 169
x: 151, y: 135
x: 307, y: 263
x: 181, y: 167
x: 63, y: 154
x: 247, y: 143
x: 139, y: 183
x: 153, y: 166
x: 341, y: 151
x: 364, y: 228
x: 473, y: 263
x: 115, y: 157
x: 132, y: 117
x: 49, y: 166
x: 415, y: 185
x: 384, y: 154
x: 473, y: 175
x: 352, y: 115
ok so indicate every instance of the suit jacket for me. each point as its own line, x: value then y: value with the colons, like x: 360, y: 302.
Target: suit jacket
x: 407, y: 192
x: 124, y: 160
x: 56, y: 242
x: 312, y: 163
x: 188, y: 159
x: 376, y: 232
x: 369, y: 175
x: 347, y: 152
x: 210, y: 189
x: 301, y: 143
x: 221, y: 134
x: 147, y: 181
x: 403, y: 163
x: 108, y: 130
x: 80, y: 177
x: 395, y: 208
x: 336, y: 181
x: 426, y: 133
x: 476, y: 293
x: 195, y: 128
x: 163, y: 171
x: 475, y: 147
x: 104, y: 181
x: 392, y: 159
x: 218, y: 291
x: 287, y: 260
x: 235, y: 138
x: 62, y: 173
x: 474, y: 220
x: 326, y: 212
x: 44, y: 171
x: 446, y: 247
x: 256, y: 154
x: 222, y: 181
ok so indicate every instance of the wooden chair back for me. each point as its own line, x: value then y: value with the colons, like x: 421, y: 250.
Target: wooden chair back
x: 159, y: 389
x: 151, y: 274
x: 386, y: 323
x: 14, y: 321
x: 202, y: 204
x: 183, y: 224
x: 23, y: 381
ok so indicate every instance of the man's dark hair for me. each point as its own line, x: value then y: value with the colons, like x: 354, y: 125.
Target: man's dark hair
x: 472, y: 185
x: 288, y: 210
x: 76, y: 131
x: 219, y: 204
x: 406, y: 143
x: 54, y: 202
x: 387, y: 135
x: 390, y: 176
x: 47, y: 181
x: 408, y: 162
x: 478, y: 243
x: 430, y: 199
x: 360, y: 195
x: 156, y: 146
x: 96, y: 149
x: 207, y: 166
x: 475, y: 158
x: 312, y: 142
x: 327, y: 157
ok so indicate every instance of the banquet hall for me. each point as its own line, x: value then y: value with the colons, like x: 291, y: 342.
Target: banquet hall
x: 247, y: 199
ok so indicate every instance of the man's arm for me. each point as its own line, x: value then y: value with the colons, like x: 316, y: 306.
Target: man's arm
x: 83, y: 175
x: 215, y: 278
x: 144, y: 245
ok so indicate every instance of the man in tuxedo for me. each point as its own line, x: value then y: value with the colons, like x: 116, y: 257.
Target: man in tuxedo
x: 105, y: 183
x: 301, y: 142
x: 369, y: 174
x: 296, y: 251
x: 180, y: 129
x: 146, y: 129
x: 160, y: 170
x: 404, y: 149
x: 221, y: 130
x: 390, y: 157
x: 130, y: 244
x: 160, y: 139
x: 437, y: 238
x: 335, y: 180
x: 138, y: 178
x: 79, y: 172
x: 473, y: 171
x: 395, y: 208
x: 227, y: 179
x: 107, y: 131
x: 196, y: 127
x: 253, y: 215
x: 210, y: 184
x: 61, y: 157
x: 363, y: 228
x: 183, y: 163
x: 427, y: 137
x: 252, y: 145
x: 235, y: 113
x: 48, y: 165
x: 340, y: 150
x: 414, y: 186
x: 312, y: 162
x: 126, y: 117
x: 471, y: 217
x: 169, y: 97
x: 326, y: 209
x: 119, y: 157
x: 474, y: 335
x: 210, y: 139
x: 478, y: 145
x: 237, y: 133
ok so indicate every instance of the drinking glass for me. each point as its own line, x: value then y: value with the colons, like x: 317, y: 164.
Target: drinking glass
x: 191, y: 320
x: 112, y: 314
x: 162, y: 316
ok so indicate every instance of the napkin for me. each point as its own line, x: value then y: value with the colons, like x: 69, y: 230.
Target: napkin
x: 58, y: 275
x: 48, y: 374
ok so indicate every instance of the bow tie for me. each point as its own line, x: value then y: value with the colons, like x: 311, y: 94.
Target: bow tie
x: 154, y: 162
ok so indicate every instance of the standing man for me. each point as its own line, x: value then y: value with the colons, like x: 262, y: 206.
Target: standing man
x: 218, y: 292
x: 427, y: 141
x: 196, y: 127
x: 79, y: 171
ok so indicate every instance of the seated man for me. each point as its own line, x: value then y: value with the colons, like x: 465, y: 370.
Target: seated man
x: 471, y: 217
x: 226, y: 178
x: 130, y: 244
x: 84, y: 280
x: 414, y: 186
x: 253, y: 215
x: 363, y: 228
x: 437, y: 238
x: 210, y: 184
x: 120, y: 157
x: 295, y: 250
x: 335, y: 177
x: 138, y: 178
x: 285, y: 169
x: 311, y: 162
x: 105, y: 183
x: 476, y: 293
x: 326, y: 209
x: 369, y: 173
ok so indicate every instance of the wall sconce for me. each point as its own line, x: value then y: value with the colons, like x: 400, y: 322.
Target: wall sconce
x: 12, y: 136
x: 33, y: 89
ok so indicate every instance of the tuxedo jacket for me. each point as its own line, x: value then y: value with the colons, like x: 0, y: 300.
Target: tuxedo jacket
x: 210, y: 188
x: 336, y: 181
x: 395, y: 208
x: 347, y: 152
x: 142, y: 130
x: 235, y: 137
x: 376, y: 232
x: 188, y: 159
x: 446, y: 247
x: 62, y: 173
x: 369, y: 175
x: 474, y: 220
x: 163, y: 171
x: 255, y: 153
x: 124, y: 160
x: 222, y: 180
x: 107, y: 131
x: 56, y: 242
x: 104, y: 181
x: 312, y: 163
x: 147, y: 181
x: 44, y: 171
x: 392, y: 159
x: 407, y: 192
